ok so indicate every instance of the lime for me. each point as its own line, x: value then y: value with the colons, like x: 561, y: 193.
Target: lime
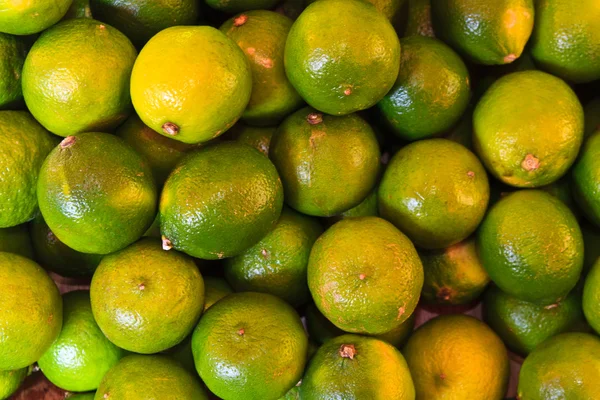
x: 255, y: 136
x: 586, y: 179
x: 214, y: 290
x: 13, y: 50
x: 11, y: 380
x: 19, y: 17
x: 16, y: 240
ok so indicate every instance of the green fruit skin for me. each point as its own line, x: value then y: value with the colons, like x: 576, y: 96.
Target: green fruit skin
x: 220, y: 201
x: 566, y: 39
x: 13, y: 50
x: 31, y: 314
x: 523, y: 326
x: 453, y: 275
x: 139, y: 20
x: 79, y: 9
x: 262, y: 362
x: 214, y: 290
x: 389, y: 8
x: 16, y: 240
x: 435, y: 191
x: 342, y: 56
x: 591, y: 244
x: 81, y: 355
x: 367, y: 208
x: 486, y: 32
x: 237, y: 6
x: 10, y: 381
x: 377, y: 372
x: 431, y: 92
x: 96, y: 193
x: 277, y: 264
x: 564, y: 367
x: 257, y: 137
x: 562, y: 190
x: 586, y: 179
x: 392, y: 275
x: 26, y: 18
x: 138, y: 377
x: 145, y: 299
x: 531, y: 246
x: 328, y: 167
x: 82, y: 396
x: 592, y: 117
x: 65, y: 86
x: 419, y: 19
x: 56, y: 256
x: 262, y: 39
x: 546, y: 123
x: 591, y: 297
x: 24, y: 144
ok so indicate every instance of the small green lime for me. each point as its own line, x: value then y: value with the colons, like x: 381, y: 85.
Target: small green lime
x: 586, y: 179
x: 19, y: 17
x: 10, y: 381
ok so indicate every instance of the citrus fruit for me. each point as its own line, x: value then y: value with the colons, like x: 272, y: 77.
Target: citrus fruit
x: 591, y: 296
x: 28, y: 17
x: 139, y: 20
x: 327, y: 164
x: 214, y: 290
x: 431, y: 92
x: 523, y: 326
x: 481, y: 371
x: 138, y: 377
x: 146, y: 299
x: 592, y: 116
x: 562, y: 190
x: 357, y: 367
x: 365, y: 275
x: 81, y: 396
x: 419, y: 19
x: 250, y: 346
x: 591, y: 244
x: 531, y: 246
x: 586, y: 179
x: 485, y: 32
x: 261, y: 35
x: 277, y: 264
x: 258, y: 137
x: 13, y: 50
x: 191, y: 83
x: 31, y: 313
x: 566, y: 39
x: 11, y: 380
x: 453, y: 275
x: 81, y: 355
x: 367, y: 208
x: 435, y: 191
x: 16, y: 240
x: 24, y: 144
x: 220, y: 201
x: 538, y: 143
x: 236, y: 6
x: 342, y: 56
x: 390, y: 8
x: 79, y: 9
x: 564, y: 367
x: 76, y: 77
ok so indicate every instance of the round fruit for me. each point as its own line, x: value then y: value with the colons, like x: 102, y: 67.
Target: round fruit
x: 453, y: 275
x: 31, y: 312
x: 161, y: 152
x: 342, y: 56
x: 564, y: 367
x: 357, y: 367
x: 146, y: 299
x: 214, y: 290
x: 431, y: 92
x: 16, y: 240
x: 96, y: 193
x: 365, y: 275
x: 250, y: 346
x: 139, y: 20
x: 566, y: 39
x: 486, y: 32
x: 261, y: 35
x: 367, y: 208
x: 79, y: 9
x: 138, y: 377
x: 419, y: 19
x: 591, y: 297
x: 13, y: 50
x: 531, y: 246
x: 327, y: 164
x: 81, y: 396
x: 435, y: 191
x: 523, y: 326
x: 277, y: 264
x: 10, y: 381
x: 24, y: 144
x: 586, y: 179
x: 56, y: 256
x: 592, y: 117
x: 236, y: 6
x: 257, y: 137
x: 540, y: 140
x: 81, y: 355
x: 480, y: 373
x: 191, y: 83
x: 76, y: 77
x: 220, y: 201
x: 28, y: 17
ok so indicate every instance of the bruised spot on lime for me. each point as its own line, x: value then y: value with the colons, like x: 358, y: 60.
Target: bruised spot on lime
x: 67, y: 142
x: 170, y: 128
x: 530, y: 163
x: 166, y: 243
x: 314, y: 118
x: 240, y: 20
x: 347, y: 351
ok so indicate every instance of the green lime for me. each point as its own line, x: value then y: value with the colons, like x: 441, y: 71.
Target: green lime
x: 79, y: 9
x: 586, y: 179
x: 328, y: 164
x: 146, y: 299
x: 250, y: 346
x: 435, y: 191
x: 538, y: 143
x: 214, y: 290
x: 236, y: 6
x: 258, y: 137
x: 342, y: 56
x: 31, y: 314
x: 191, y: 83
x: 481, y: 371
x: 357, y: 367
x: 10, y: 381
x: 367, y: 208
x: 562, y: 190
x: 13, y: 50
x: 591, y: 296
x: 592, y: 117
x: 277, y: 264
x: 19, y: 17
x: 81, y: 396
x: 431, y: 92
x: 81, y: 355
x: 16, y: 240
x: 419, y: 19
